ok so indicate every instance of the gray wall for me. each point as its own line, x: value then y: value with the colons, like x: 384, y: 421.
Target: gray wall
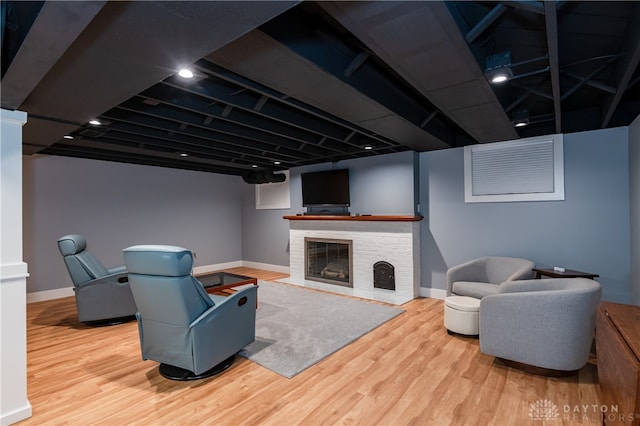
x: 588, y: 231
x: 378, y: 185
x: 265, y: 234
x: 634, y: 201
x: 117, y: 205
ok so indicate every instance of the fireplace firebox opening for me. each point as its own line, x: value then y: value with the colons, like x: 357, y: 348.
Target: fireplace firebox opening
x: 329, y: 261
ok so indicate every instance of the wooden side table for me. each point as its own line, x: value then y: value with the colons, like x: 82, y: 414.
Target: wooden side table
x: 222, y: 283
x: 568, y: 273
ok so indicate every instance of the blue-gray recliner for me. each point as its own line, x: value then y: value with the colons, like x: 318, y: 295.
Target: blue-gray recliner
x: 191, y: 333
x: 102, y: 294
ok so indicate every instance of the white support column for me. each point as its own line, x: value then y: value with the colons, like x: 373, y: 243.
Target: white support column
x: 14, y: 405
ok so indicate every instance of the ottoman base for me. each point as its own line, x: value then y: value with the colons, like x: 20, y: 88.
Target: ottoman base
x: 461, y: 315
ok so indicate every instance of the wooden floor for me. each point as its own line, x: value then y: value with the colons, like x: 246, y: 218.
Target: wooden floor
x: 408, y: 371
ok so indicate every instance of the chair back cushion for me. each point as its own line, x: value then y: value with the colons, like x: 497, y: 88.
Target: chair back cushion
x: 72, y: 244
x: 162, y: 285
x: 82, y: 265
x: 500, y: 269
x: 161, y: 260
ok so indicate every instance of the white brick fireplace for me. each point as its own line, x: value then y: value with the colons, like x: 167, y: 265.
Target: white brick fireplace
x: 393, y: 239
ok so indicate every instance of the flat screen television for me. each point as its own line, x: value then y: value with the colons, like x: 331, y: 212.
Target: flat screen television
x: 326, y: 189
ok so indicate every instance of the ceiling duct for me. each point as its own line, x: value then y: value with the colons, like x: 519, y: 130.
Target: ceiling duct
x: 264, y: 177
x: 92, y: 132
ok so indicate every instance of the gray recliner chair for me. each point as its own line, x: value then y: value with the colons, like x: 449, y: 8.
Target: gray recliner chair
x: 102, y: 294
x: 548, y: 324
x: 481, y: 277
x: 191, y: 333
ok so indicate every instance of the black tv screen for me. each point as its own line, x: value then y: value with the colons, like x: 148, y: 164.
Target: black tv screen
x: 328, y: 188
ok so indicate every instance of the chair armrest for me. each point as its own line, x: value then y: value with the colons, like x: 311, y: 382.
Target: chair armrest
x: 224, y: 329
x: 524, y: 273
x: 105, y: 297
x: 522, y: 286
x: 118, y: 279
x: 117, y: 269
x: 228, y: 306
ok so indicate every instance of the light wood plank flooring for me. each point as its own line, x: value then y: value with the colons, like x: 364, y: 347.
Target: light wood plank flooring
x: 409, y: 371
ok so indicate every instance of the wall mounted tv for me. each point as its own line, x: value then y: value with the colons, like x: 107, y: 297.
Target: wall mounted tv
x: 326, y: 189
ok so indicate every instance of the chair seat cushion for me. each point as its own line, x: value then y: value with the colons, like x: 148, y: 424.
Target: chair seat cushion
x: 474, y: 289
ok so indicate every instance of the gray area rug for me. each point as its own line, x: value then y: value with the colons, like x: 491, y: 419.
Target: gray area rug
x: 297, y: 327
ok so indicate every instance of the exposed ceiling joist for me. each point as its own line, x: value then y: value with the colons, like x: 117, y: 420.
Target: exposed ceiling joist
x: 237, y: 79
x: 528, y: 5
x: 588, y: 82
x: 259, y: 57
x: 551, y: 23
x: 587, y: 79
x: 485, y: 23
x: 94, y: 63
x: 285, y: 84
x: 627, y: 66
x: 39, y: 52
x: 411, y: 37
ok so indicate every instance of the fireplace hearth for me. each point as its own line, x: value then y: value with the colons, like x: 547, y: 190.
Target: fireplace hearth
x: 329, y: 261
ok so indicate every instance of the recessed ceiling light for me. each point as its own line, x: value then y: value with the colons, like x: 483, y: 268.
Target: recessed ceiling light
x: 276, y: 162
x: 500, y: 78
x: 185, y: 73
x: 367, y: 147
x: 95, y: 122
x: 520, y: 118
x: 254, y: 166
x: 498, y: 67
x: 183, y: 154
x: 68, y: 137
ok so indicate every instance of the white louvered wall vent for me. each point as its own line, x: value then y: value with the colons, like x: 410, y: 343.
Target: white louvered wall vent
x: 521, y: 170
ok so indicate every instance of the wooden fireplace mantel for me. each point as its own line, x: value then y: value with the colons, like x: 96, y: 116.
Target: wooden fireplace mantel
x: 360, y: 218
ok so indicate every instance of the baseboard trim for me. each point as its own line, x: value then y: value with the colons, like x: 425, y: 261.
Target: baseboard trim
x: 39, y: 296
x: 433, y: 293
x: 199, y: 270
x: 59, y: 293
x: 15, y: 416
x: 266, y: 266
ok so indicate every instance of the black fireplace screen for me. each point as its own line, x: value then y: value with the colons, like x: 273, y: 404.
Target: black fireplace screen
x: 328, y: 261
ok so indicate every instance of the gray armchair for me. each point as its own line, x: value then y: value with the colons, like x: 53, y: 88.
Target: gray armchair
x: 102, y: 294
x: 481, y: 277
x: 191, y: 333
x: 548, y: 323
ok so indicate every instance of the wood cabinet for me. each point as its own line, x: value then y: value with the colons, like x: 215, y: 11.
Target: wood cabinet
x: 618, y: 349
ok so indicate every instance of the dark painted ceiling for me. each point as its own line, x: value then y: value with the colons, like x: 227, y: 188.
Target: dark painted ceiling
x: 284, y: 84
